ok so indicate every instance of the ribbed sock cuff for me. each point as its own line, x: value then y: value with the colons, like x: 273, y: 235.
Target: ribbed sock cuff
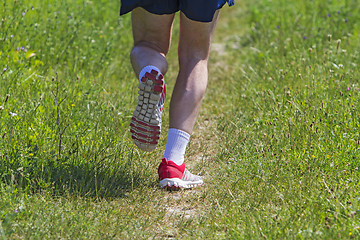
x: 176, y: 145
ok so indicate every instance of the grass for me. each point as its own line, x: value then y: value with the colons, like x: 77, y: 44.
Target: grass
x: 280, y: 156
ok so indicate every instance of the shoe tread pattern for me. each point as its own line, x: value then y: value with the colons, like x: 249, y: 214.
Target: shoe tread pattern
x: 145, y: 124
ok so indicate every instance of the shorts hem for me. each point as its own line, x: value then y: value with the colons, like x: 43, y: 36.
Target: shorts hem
x: 192, y: 15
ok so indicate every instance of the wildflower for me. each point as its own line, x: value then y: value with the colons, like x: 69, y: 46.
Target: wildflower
x: 31, y: 154
x: 12, y: 114
x: 329, y: 37
x: 338, y: 12
x: 4, y: 70
x: 1, y: 108
x: 277, y: 26
x: 348, y: 89
x: 12, y: 36
x: 329, y: 15
x: 304, y: 37
x: 346, y: 20
x: 23, y: 14
x: 16, y: 210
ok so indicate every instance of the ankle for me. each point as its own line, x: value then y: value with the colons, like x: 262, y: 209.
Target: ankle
x: 176, y: 145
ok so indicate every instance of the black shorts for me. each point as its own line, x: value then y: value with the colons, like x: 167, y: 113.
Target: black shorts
x: 197, y: 10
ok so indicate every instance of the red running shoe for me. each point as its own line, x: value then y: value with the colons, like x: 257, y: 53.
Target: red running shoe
x: 174, y: 177
x: 145, y: 124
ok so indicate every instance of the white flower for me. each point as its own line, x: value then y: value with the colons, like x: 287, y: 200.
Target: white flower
x: 12, y: 114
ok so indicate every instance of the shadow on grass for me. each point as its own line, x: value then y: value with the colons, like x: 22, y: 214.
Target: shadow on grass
x: 106, y: 177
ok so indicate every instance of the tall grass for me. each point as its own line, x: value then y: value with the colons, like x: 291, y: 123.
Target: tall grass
x: 62, y: 120
x: 290, y: 150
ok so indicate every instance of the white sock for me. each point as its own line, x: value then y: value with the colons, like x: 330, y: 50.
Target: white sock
x: 147, y: 69
x: 176, y: 145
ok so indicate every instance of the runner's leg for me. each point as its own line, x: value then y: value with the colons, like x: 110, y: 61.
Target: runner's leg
x: 190, y: 86
x: 152, y: 37
x: 194, y: 49
x: 152, y: 34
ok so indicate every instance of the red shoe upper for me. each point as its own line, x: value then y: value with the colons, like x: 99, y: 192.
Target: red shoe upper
x: 169, y: 169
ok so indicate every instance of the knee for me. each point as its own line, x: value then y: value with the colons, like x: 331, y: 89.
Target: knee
x: 193, y: 55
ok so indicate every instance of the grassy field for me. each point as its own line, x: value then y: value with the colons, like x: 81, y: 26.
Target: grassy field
x: 277, y: 140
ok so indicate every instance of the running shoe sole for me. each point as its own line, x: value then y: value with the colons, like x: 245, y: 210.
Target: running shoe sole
x: 177, y: 184
x: 145, y: 124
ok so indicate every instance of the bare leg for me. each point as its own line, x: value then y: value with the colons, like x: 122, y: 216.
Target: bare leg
x: 194, y: 48
x: 152, y: 37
